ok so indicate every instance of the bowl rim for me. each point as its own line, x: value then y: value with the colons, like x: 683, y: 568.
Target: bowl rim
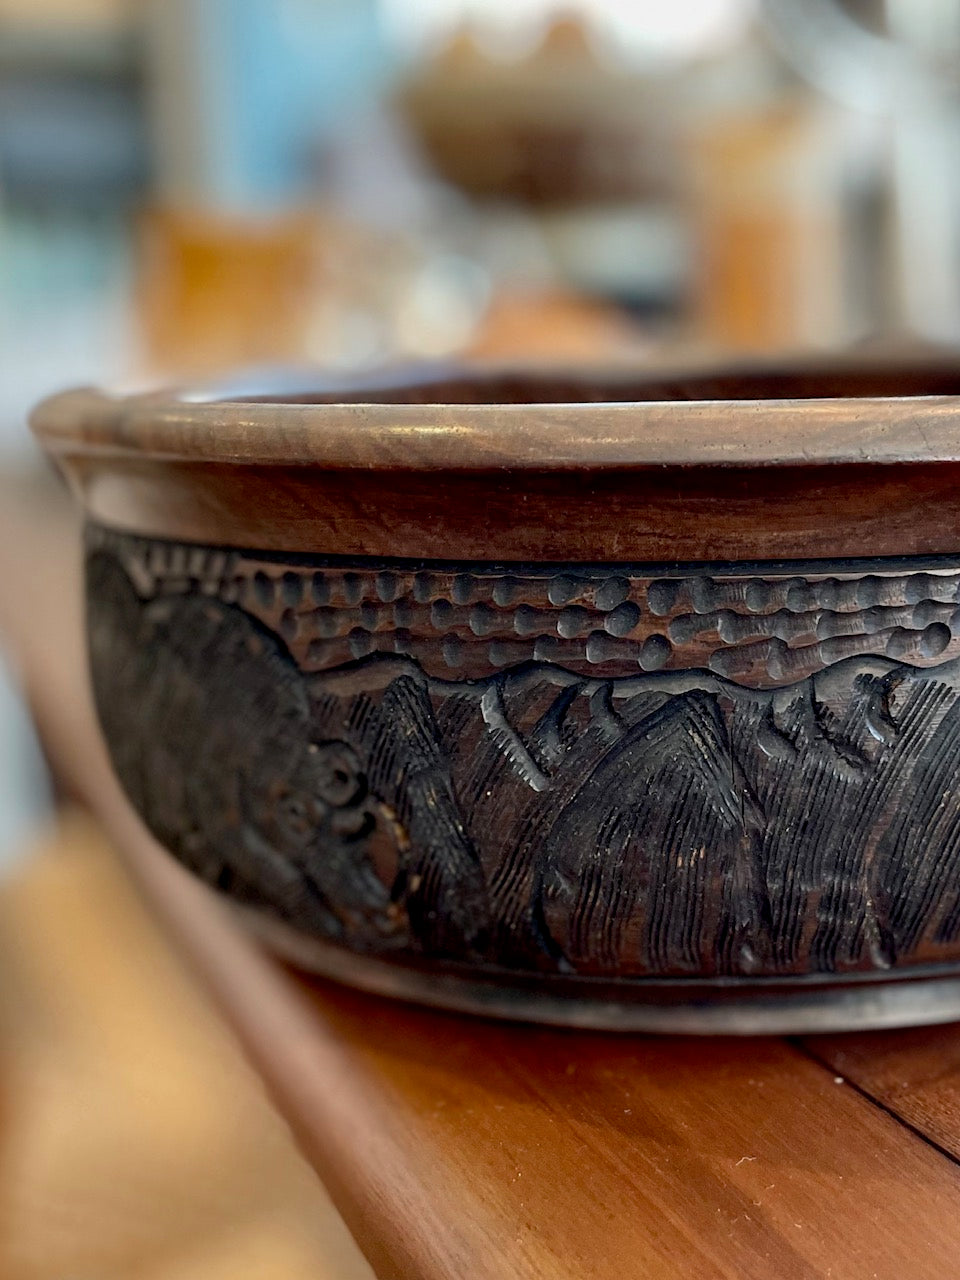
x: 213, y: 425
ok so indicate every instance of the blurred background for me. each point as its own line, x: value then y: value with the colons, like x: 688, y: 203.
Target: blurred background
x: 192, y: 186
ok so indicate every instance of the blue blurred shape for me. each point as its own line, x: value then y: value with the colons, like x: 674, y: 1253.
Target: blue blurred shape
x: 273, y: 78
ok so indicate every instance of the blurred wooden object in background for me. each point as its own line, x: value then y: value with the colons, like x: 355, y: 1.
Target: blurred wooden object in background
x: 770, y: 272
x: 554, y: 327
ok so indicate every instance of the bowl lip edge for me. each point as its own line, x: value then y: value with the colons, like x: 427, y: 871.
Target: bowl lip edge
x: 179, y: 426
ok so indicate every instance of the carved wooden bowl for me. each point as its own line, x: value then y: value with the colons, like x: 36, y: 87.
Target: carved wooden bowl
x: 601, y: 700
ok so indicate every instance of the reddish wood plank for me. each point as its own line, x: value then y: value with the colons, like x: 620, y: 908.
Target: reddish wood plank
x: 914, y: 1073
x: 460, y: 1147
x: 581, y: 1155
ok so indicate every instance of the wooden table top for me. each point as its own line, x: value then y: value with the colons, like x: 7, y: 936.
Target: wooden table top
x: 458, y: 1147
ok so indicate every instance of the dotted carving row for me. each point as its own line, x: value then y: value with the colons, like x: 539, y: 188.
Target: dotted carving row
x: 758, y: 630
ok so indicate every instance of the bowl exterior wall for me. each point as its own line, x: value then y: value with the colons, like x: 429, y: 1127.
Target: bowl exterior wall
x: 576, y: 786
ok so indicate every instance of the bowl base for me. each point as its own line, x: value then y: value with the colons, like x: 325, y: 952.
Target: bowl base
x: 662, y: 1006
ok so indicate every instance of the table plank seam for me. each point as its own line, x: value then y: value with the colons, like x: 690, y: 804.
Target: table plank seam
x: 872, y: 1098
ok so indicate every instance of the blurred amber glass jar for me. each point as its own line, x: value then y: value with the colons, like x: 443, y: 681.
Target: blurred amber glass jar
x: 216, y: 291
x: 770, y: 272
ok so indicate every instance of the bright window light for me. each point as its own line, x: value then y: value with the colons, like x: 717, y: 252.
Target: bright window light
x: 645, y: 28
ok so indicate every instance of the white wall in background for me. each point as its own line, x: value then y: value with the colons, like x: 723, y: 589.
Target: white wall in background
x: 65, y: 313
x: 643, y: 28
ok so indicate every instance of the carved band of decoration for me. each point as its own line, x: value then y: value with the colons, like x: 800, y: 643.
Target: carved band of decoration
x: 758, y: 629
x: 591, y: 772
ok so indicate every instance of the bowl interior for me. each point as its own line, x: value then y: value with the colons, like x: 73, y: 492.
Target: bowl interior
x: 808, y: 382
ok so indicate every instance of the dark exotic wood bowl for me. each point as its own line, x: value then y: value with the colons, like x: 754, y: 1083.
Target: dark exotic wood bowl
x: 609, y: 700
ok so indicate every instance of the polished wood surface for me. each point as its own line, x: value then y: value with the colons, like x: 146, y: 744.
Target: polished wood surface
x: 583, y: 1156
x: 915, y: 1074
x: 505, y: 515
x: 461, y: 1147
x: 475, y: 420
x: 548, y: 469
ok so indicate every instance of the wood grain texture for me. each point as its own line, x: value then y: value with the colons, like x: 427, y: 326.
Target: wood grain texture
x: 646, y: 515
x: 644, y: 1160
x: 592, y: 467
x: 914, y: 1074
x: 641, y: 1158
